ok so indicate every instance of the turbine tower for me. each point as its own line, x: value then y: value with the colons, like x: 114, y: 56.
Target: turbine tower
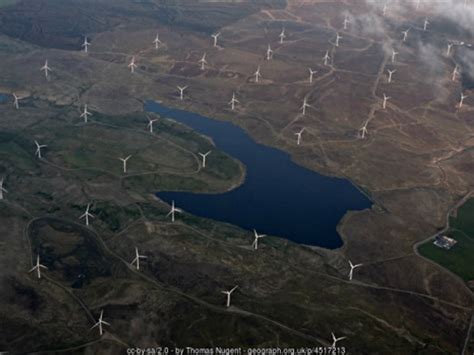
x: 326, y: 58
x: 150, y: 123
x: 385, y: 99
x: 173, y: 210
x: 233, y: 101
x: 85, y: 113
x: 353, y: 267
x: 38, y: 149
x: 86, y: 45
x: 269, y: 54
x: 335, y: 340
x: 38, y: 267
x: 311, y: 73
x: 363, y: 130
x: 229, y: 293
x: 282, y: 35
x: 390, y: 73
x: 215, y: 36
x: 87, y: 214
x: 132, y: 65
x: 204, y: 157
x: 305, y: 104
x: 137, y: 259
x: 257, y: 237
x: 394, y: 54
x: 46, y: 69
x: 157, y: 41
x: 461, y: 102
x: 257, y: 74
x: 16, y: 100
x: 2, y: 189
x: 181, y: 91
x: 100, y: 322
x: 124, y: 161
x: 298, y: 136
x: 203, y: 61
x: 338, y: 38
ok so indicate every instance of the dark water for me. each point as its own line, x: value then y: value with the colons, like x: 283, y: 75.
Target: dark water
x: 277, y: 198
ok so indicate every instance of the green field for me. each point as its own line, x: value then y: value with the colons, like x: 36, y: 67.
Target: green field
x: 459, y: 258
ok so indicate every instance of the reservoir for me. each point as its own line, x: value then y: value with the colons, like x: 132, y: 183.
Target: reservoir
x: 278, y: 197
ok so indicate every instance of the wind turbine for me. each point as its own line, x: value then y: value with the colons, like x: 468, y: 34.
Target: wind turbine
x: 363, y: 130
x: 132, y: 65
x: 233, y: 101
x: 353, y: 267
x: 16, y: 100
x: 282, y: 35
x: 394, y: 54
x: 448, y: 52
x: 346, y: 21
x: 38, y: 267
x: 181, y: 91
x: 425, y: 24
x: 203, y: 61
x: 150, y: 123
x: 298, y: 135
x: 157, y: 41
x: 269, y: 54
x: 100, y: 322
x: 86, y: 45
x: 124, y: 161
x: 311, y: 73
x: 338, y: 38
x: 405, y: 35
x: 173, y: 210
x: 385, y: 99
x: 461, y: 102
x: 385, y: 8
x: 2, y: 189
x: 418, y: 4
x: 257, y: 237
x: 215, y: 36
x: 335, y: 340
x: 87, y: 214
x: 204, y: 156
x: 326, y: 58
x: 85, y: 113
x: 257, y: 74
x: 38, y: 149
x: 305, y: 104
x: 46, y: 69
x: 455, y: 73
x: 137, y: 258
x: 229, y: 293
x: 390, y: 73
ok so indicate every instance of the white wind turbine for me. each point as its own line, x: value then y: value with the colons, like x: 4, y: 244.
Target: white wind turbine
x: 132, y: 65
x: 87, y: 214
x: 298, y: 136
x: 385, y: 99
x: 405, y: 34
x: 16, y: 101
x: 394, y: 54
x: 173, y: 210
x: 137, y: 259
x: 85, y: 114
x: 124, y: 161
x: 311, y: 74
x: 326, y: 58
x: 181, y: 91
x: 335, y: 340
x: 338, y: 38
x: 38, y: 149
x: 257, y: 74
x: 385, y: 8
x: 305, y: 104
x: 233, y: 101
x: 215, y: 36
x: 448, y: 52
x: 257, y: 237
x: 150, y: 123
x: 282, y: 35
x: 353, y: 267
x: 269, y: 54
x: 100, y: 322
x: 455, y: 73
x: 229, y: 293
x: 86, y: 45
x: 157, y: 42
x: 38, y: 267
x: 363, y: 130
x: 390, y: 73
x: 425, y: 24
x: 2, y: 189
x: 203, y: 61
x: 204, y: 157
x: 346, y: 21
x: 461, y: 102
x: 46, y: 69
